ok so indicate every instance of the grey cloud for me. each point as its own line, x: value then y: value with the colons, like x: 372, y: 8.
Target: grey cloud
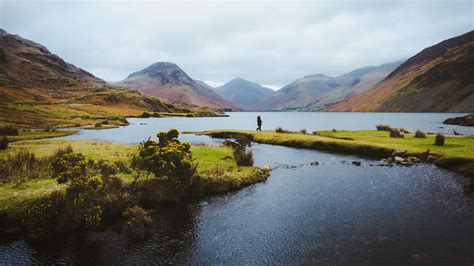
x: 267, y: 42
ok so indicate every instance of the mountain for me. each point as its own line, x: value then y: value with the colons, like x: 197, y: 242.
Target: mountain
x: 38, y: 89
x: 24, y: 63
x: 169, y: 82
x: 438, y: 79
x: 246, y: 94
x: 315, y: 92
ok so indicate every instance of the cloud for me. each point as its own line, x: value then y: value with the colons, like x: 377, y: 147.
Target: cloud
x: 265, y: 42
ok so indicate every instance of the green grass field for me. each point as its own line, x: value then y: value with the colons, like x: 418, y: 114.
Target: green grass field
x: 216, y: 168
x: 457, y: 152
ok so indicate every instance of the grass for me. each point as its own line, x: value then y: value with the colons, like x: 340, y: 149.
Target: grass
x: 370, y: 143
x: 217, y: 171
x: 31, y: 135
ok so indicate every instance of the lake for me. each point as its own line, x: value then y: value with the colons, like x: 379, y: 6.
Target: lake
x: 333, y: 213
x: 142, y: 128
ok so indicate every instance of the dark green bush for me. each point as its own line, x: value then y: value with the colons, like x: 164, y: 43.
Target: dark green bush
x: 281, y: 130
x: 420, y: 134
x: 4, y: 142
x: 394, y: 133
x: 145, y: 115
x: 303, y: 131
x: 404, y: 131
x: 439, y: 139
x: 384, y: 128
x: 98, y: 124
x: 242, y: 156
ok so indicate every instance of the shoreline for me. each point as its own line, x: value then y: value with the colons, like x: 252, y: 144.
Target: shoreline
x: 462, y: 165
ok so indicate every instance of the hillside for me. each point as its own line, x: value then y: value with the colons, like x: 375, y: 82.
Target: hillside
x: 246, y: 94
x: 438, y: 79
x: 315, y: 92
x: 169, y: 82
x: 40, y: 90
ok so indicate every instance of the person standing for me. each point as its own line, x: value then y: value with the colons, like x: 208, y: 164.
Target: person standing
x: 259, y: 123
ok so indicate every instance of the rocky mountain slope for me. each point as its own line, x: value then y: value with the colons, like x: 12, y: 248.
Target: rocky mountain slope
x: 316, y: 92
x: 246, y: 94
x: 38, y: 89
x: 169, y: 82
x: 438, y: 79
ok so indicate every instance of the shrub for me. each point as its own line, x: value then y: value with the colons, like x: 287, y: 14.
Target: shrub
x: 24, y: 165
x: 420, y: 134
x: 168, y: 158
x: 394, y: 133
x: 122, y: 167
x: 404, y: 131
x: 8, y: 131
x: 136, y: 217
x: 83, y: 185
x: 242, y: 156
x: 105, y: 122
x: 281, y: 130
x: 384, y: 128
x: 98, y: 124
x: 303, y: 131
x: 145, y: 115
x: 4, y: 142
x: 439, y: 139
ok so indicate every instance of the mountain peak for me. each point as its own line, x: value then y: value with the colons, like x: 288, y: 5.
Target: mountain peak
x: 168, y: 81
x: 160, y: 68
x: 244, y: 93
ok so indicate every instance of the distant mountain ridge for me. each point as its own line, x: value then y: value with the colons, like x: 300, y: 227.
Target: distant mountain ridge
x: 438, y: 79
x: 169, y: 82
x: 246, y: 94
x: 316, y: 92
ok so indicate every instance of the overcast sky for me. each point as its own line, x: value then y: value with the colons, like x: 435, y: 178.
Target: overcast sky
x: 272, y: 43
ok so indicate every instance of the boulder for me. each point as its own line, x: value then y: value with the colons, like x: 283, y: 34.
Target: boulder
x: 399, y: 153
x: 314, y: 163
x: 398, y: 159
x: 357, y: 163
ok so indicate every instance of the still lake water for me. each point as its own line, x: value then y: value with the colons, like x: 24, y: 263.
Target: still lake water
x: 141, y: 128
x: 334, y: 213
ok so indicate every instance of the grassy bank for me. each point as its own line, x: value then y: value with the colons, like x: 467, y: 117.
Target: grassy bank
x: 216, y: 172
x: 457, y: 154
x: 32, y: 135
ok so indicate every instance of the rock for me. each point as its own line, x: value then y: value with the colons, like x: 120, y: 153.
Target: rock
x: 267, y: 167
x: 398, y: 159
x: 407, y: 163
x: 399, y: 153
x: 389, y: 160
x: 413, y: 159
x: 314, y: 163
x: 357, y: 163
